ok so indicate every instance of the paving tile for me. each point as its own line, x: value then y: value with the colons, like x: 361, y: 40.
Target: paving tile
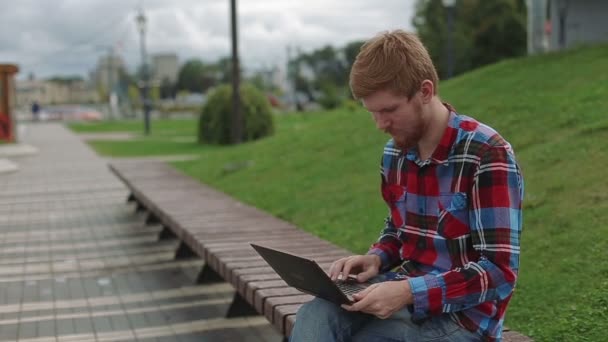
x: 102, y: 324
x: 28, y: 330
x: 65, y: 327
x: 120, y: 322
x: 83, y: 325
x: 86, y: 267
x: 46, y: 328
x: 9, y: 332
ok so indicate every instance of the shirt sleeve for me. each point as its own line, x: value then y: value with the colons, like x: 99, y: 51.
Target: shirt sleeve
x: 495, y: 219
x: 388, y: 245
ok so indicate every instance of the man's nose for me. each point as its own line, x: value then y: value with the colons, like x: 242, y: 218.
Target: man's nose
x: 381, y: 123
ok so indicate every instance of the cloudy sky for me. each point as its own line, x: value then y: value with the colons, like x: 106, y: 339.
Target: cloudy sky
x: 68, y: 36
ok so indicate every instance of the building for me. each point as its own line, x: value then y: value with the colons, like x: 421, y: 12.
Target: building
x: 165, y: 66
x: 560, y: 24
x: 108, y: 71
x: 50, y: 93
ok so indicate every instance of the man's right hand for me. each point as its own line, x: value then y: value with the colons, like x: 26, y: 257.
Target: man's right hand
x: 364, y: 266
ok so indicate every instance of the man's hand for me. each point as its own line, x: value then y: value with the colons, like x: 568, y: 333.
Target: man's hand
x: 382, y: 299
x: 364, y: 266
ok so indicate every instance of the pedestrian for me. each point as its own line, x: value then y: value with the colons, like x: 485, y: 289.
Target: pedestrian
x: 35, y: 111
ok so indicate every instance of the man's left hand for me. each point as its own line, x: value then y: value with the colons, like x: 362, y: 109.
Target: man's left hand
x: 382, y: 299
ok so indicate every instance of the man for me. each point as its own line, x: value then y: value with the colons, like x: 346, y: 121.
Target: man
x: 454, y: 192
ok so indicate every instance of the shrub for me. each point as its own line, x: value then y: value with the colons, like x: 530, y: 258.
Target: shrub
x: 330, y: 97
x: 351, y: 105
x: 216, y: 116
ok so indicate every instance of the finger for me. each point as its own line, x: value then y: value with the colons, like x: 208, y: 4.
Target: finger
x: 336, y: 268
x: 364, y: 276
x: 347, y: 307
x: 362, y: 294
x: 360, y: 305
x: 348, y: 265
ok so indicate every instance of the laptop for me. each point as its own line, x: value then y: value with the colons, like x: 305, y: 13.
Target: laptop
x: 307, y: 276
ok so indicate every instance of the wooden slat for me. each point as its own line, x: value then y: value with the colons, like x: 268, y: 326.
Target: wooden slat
x: 280, y: 313
x: 271, y: 303
x: 262, y: 295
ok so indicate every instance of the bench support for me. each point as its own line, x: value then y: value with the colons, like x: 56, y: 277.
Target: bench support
x: 208, y: 275
x: 152, y: 219
x: 184, y: 252
x: 131, y: 198
x: 240, y: 308
x: 166, y: 234
x: 140, y: 207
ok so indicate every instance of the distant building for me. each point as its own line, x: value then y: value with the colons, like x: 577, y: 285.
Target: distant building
x: 108, y: 71
x: 165, y: 66
x: 49, y: 93
x: 560, y: 24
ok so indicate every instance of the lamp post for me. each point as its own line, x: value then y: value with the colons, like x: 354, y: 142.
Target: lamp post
x: 237, y: 125
x: 450, y: 5
x: 141, y: 25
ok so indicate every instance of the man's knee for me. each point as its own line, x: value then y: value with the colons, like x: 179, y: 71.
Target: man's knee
x: 317, y: 308
x: 316, y: 320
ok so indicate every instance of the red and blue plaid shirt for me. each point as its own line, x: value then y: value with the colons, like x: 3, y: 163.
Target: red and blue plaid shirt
x: 454, y: 225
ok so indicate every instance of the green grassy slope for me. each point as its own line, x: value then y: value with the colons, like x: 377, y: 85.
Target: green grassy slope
x: 320, y: 171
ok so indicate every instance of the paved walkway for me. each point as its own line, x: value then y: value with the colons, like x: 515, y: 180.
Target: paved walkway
x: 77, y: 264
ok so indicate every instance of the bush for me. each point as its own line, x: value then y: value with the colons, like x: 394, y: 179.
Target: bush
x: 330, y: 97
x: 351, y: 105
x: 216, y: 116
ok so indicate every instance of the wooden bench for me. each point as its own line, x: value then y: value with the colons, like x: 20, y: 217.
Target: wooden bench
x: 215, y: 227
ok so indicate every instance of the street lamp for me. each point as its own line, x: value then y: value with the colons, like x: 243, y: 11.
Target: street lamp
x: 237, y: 125
x: 141, y: 25
x: 450, y: 5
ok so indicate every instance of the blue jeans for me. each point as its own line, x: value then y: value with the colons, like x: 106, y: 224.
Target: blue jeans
x: 320, y: 320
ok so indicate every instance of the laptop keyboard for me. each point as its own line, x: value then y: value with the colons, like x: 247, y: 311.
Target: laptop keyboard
x: 349, y: 287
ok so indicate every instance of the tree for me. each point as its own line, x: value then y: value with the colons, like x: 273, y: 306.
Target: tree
x: 322, y: 74
x: 195, y: 76
x: 351, y: 50
x: 500, y: 32
x: 326, y: 65
x: 223, y: 70
x: 485, y: 31
x: 65, y: 80
x: 167, y: 89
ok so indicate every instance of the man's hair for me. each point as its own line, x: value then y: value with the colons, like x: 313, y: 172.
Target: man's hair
x: 396, y: 61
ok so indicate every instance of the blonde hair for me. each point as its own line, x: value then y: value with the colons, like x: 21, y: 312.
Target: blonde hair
x: 396, y: 61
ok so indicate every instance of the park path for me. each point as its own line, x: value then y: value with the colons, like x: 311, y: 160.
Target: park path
x: 78, y: 264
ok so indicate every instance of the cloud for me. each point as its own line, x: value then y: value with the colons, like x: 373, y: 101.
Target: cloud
x: 68, y: 36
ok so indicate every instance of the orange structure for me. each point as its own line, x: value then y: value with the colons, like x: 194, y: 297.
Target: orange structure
x: 7, y: 92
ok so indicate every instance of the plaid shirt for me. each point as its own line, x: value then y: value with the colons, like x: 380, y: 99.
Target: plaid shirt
x: 454, y: 225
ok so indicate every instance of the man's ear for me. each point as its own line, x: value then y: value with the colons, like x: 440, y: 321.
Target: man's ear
x: 427, y: 91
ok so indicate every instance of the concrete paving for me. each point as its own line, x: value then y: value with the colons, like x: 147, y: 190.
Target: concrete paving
x: 7, y: 166
x: 17, y: 150
x: 78, y: 264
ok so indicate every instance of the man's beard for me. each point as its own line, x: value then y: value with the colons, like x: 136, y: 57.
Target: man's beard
x: 412, y: 135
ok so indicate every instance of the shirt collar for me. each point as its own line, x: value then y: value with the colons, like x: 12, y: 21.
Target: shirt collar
x: 446, y: 144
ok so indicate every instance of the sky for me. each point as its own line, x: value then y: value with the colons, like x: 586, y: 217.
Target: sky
x: 67, y: 37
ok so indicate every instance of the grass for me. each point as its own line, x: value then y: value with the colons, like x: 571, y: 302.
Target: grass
x: 320, y: 171
x: 167, y: 137
x: 158, y: 127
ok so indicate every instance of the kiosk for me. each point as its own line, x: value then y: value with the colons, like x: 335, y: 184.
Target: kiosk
x: 7, y: 94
